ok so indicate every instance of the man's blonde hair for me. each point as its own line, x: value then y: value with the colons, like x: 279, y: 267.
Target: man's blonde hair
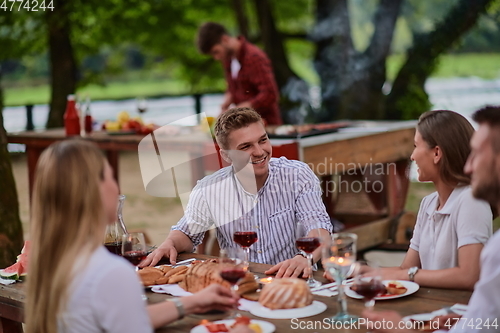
x: 234, y: 119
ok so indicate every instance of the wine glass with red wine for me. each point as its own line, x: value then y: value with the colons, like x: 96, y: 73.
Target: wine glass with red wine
x: 368, y: 282
x: 134, y: 248
x: 308, y: 240
x: 232, y: 268
x: 245, y: 235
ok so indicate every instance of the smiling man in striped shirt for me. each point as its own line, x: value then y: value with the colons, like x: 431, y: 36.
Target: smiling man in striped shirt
x: 271, y: 195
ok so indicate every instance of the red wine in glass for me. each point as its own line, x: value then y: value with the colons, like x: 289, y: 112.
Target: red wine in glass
x: 245, y: 238
x: 135, y: 257
x: 114, y: 247
x: 232, y: 275
x: 368, y: 289
x: 307, y: 244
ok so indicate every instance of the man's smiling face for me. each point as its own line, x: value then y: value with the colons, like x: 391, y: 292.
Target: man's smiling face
x: 250, y: 149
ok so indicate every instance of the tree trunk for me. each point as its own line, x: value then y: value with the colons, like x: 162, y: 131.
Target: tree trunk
x: 294, y: 99
x: 11, y: 231
x: 408, y: 99
x: 351, y: 82
x: 241, y: 17
x: 63, y: 68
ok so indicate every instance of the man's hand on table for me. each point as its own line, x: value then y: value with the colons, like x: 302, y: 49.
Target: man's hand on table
x: 166, y: 249
x: 290, y: 268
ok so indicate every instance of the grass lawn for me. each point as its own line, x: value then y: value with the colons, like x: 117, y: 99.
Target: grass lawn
x: 452, y: 65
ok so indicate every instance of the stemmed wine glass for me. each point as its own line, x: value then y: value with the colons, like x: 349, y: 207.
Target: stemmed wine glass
x: 339, y: 258
x: 134, y: 248
x: 370, y: 285
x: 308, y: 240
x: 142, y: 104
x: 232, y: 268
x: 245, y: 235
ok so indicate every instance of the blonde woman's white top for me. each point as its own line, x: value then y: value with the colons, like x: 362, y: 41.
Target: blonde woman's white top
x: 105, y: 297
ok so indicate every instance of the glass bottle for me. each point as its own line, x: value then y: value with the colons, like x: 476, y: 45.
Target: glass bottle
x: 115, y: 231
x: 71, y: 119
x: 88, y: 117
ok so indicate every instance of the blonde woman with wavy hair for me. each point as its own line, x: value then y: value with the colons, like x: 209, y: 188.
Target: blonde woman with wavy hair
x: 74, y: 283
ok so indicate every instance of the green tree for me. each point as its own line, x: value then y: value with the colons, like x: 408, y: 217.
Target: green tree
x: 11, y: 232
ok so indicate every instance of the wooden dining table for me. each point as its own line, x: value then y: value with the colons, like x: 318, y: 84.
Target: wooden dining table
x: 425, y: 300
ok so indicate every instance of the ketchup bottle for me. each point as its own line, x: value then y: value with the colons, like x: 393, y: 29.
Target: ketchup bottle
x: 71, y: 119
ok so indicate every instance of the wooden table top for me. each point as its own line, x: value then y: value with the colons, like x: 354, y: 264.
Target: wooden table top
x: 425, y: 300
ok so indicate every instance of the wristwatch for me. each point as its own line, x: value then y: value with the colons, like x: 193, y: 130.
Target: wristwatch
x: 300, y: 254
x: 411, y: 273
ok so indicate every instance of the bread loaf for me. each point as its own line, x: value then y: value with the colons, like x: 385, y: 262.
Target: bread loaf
x: 204, y: 274
x: 286, y: 293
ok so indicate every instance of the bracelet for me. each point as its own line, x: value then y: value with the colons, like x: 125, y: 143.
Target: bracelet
x: 179, y: 306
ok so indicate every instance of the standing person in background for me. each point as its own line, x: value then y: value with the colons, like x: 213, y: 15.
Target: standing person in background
x: 248, y: 71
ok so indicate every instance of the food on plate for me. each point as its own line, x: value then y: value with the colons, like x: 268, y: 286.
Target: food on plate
x: 221, y: 327
x: 395, y: 288
x: 286, y: 293
x: 124, y: 122
x: 204, y: 274
x: 152, y: 275
x: 18, y: 270
x: 149, y: 275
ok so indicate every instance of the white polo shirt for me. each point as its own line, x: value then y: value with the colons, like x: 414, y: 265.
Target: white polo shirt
x: 439, y: 234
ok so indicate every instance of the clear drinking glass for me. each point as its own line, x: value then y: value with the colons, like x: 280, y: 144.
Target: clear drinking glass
x: 142, y: 104
x: 232, y: 268
x: 339, y: 258
x: 308, y: 240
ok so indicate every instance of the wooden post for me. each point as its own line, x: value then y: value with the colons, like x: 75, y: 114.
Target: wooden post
x: 29, y: 117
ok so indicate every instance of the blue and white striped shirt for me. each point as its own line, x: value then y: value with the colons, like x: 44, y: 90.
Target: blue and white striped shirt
x: 291, y: 194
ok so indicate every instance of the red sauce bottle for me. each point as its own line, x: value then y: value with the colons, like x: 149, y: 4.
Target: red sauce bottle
x: 71, y: 119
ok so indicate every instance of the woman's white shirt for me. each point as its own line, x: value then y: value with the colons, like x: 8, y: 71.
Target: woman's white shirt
x: 105, y: 297
x: 438, y: 234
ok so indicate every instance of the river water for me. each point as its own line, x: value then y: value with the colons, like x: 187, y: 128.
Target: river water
x: 463, y: 95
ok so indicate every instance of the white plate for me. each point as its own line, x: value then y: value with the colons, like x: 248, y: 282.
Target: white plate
x: 411, y: 287
x: 307, y: 311
x: 266, y: 326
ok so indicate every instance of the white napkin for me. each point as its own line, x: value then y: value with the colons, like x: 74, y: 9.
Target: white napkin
x: 172, y: 289
x: 6, y: 281
x: 175, y: 290
x: 326, y: 292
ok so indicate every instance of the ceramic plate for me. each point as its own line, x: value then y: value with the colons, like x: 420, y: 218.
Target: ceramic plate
x: 121, y: 132
x: 266, y: 327
x: 411, y: 287
x: 310, y: 310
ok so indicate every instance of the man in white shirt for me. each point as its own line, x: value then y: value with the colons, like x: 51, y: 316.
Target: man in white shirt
x: 274, y: 194
x: 483, y: 312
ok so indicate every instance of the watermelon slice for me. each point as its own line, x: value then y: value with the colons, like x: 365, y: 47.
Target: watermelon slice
x: 19, y: 269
